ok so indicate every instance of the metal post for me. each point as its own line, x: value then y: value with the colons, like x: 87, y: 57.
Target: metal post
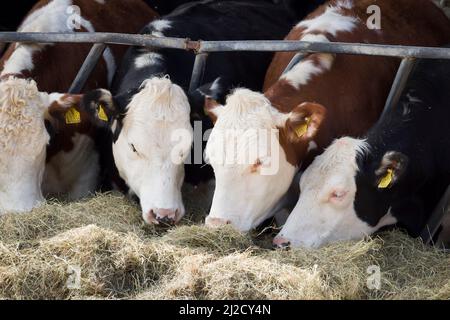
x: 399, y: 84
x: 86, y: 69
x: 436, y: 217
x: 198, y: 71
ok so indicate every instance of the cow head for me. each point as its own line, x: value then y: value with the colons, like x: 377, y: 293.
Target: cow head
x: 254, y: 150
x: 152, y: 138
x: 24, y: 114
x: 332, y: 190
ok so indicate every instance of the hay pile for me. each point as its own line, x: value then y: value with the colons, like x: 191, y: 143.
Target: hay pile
x: 121, y: 258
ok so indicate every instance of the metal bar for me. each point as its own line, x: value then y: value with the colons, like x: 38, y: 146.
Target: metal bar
x: 405, y: 69
x: 86, y: 69
x: 326, y: 47
x: 216, y: 46
x: 95, y: 37
x: 198, y: 71
x: 436, y: 217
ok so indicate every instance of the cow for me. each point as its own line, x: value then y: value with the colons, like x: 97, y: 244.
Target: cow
x: 150, y: 100
x: 47, y: 146
x: 321, y: 97
x: 395, y: 174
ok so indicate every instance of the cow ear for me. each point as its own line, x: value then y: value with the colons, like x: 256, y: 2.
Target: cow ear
x: 212, y: 108
x: 392, y: 168
x: 304, y: 121
x: 99, y: 105
x: 64, y: 109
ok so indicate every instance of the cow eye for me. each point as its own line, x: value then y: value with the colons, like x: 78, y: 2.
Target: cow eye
x: 133, y: 148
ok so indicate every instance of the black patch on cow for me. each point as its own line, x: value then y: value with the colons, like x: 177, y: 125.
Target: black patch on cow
x: 418, y: 128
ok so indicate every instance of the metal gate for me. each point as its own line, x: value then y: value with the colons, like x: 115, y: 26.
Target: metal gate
x: 408, y: 54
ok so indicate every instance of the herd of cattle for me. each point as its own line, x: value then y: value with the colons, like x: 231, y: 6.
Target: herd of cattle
x: 274, y: 127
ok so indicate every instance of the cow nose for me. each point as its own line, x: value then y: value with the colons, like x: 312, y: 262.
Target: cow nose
x: 281, y: 243
x: 216, y: 222
x: 164, y: 216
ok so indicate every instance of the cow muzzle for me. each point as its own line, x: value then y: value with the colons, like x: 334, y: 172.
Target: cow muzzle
x: 281, y: 243
x: 162, y: 216
x: 216, y: 222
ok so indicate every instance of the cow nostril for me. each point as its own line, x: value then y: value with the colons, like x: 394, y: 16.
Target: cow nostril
x: 166, y: 220
x: 150, y: 217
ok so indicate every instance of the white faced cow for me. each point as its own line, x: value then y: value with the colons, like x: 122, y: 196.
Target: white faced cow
x: 395, y: 175
x: 35, y: 163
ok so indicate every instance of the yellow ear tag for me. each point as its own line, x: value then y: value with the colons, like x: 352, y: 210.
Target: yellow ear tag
x: 387, y: 180
x: 102, y: 114
x: 303, y: 128
x: 73, y: 116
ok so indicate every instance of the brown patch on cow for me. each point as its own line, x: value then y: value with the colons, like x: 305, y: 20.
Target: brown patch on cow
x: 354, y: 91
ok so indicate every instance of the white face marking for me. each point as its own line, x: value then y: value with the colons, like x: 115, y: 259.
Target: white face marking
x: 153, y: 144
x: 74, y: 173
x: 148, y: 59
x: 159, y: 26
x: 23, y: 141
x: 304, y: 70
x: 325, y: 210
x: 245, y: 196
x: 331, y: 21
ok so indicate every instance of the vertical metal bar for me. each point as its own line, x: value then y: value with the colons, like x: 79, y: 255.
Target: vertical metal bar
x: 436, y: 217
x: 198, y: 71
x: 406, y: 66
x: 88, y: 66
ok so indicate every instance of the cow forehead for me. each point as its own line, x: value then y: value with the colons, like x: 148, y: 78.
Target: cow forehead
x: 246, y: 109
x: 245, y: 128
x: 158, y: 100
x: 21, y: 115
x: 336, y: 164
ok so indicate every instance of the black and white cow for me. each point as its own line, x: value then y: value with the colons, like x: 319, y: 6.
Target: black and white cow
x: 150, y: 112
x: 395, y: 175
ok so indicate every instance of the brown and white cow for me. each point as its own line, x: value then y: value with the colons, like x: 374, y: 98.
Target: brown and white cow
x: 32, y: 164
x: 322, y: 97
